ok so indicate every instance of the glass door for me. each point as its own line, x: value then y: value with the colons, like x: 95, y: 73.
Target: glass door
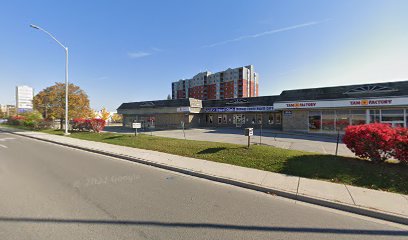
x: 238, y: 119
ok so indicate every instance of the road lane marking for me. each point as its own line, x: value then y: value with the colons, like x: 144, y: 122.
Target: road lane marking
x: 5, y: 139
x: 3, y: 146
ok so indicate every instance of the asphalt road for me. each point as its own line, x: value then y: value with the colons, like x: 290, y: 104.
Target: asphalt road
x: 53, y: 192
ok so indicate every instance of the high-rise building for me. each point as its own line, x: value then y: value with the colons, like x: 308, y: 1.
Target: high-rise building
x: 24, y: 99
x: 231, y: 83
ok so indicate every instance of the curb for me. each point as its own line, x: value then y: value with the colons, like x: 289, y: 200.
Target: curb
x: 317, y: 201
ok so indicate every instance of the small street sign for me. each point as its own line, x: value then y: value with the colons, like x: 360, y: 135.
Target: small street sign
x: 249, y: 131
x: 136, y: 125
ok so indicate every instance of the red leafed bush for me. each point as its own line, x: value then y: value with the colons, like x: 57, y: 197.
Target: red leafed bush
x: 81, y: 124
x: 97, y: 125
x: 16, y: 120
x: 400, y: 143
x: 373, y: 141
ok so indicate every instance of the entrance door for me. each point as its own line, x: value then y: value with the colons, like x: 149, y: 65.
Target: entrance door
x: 240, y: 119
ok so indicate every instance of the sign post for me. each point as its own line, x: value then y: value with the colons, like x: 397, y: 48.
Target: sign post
x: 249, y: 132
x: 338, y: 138
x: 136, y: 125
x: 182, y: 125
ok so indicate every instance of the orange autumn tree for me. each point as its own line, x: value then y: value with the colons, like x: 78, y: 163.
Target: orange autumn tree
x: 105, y: 114
x: 50, y: 102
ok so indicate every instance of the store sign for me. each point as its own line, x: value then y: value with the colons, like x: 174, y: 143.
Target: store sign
x: 136, y: 125
x: 371, y: 102
x: 287, y: 113
x: 183, y: 109
x: 239, y: 109
x: 343, y: 103
x: 237, y: 101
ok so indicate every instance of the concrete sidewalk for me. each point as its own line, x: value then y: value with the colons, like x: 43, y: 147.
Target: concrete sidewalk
x: 383, y: 205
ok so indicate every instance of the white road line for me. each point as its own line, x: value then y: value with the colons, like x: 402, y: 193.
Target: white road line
x: 5, y: 139
x: 3, y: 146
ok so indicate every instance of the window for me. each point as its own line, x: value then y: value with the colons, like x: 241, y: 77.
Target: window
x: 315, y: 121
x: 271, y: 118
x: 224, y: 119
x: 328, y: 119
x: 259, y: 118
x: 278, y: 118
x: 374, y: 116
x: 342, y: 119
x: 219, y: 119
x: 396, y: 115
x: 358, y: 117
x: 211, y: 118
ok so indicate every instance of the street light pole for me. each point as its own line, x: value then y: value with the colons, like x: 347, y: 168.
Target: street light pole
x: 66, y: 75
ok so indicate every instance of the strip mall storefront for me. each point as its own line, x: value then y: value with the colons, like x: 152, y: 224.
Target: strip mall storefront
x: 333, y: 115
x: 253, y: 116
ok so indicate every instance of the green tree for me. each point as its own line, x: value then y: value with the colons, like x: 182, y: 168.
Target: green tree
x: 50, y: 102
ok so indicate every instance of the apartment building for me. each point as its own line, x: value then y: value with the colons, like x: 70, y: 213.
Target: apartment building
x: 7, y: 110
x: 231, y: 83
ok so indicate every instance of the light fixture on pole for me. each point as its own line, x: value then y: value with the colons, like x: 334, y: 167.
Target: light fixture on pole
x: 66, y: 75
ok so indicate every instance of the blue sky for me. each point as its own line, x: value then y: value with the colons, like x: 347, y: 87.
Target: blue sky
x: 122, y: 51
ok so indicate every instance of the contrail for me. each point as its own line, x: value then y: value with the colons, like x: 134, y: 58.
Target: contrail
x: 303, y: 25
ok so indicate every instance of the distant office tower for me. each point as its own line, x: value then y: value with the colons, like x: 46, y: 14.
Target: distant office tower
x: 24, y: 99
x: 231, y: 83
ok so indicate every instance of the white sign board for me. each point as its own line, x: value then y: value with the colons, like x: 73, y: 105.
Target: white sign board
x: 249, y: 131
x: 343, y: 103
x: 24, y: 97
x: 136, y: 125
x: 183, y: 109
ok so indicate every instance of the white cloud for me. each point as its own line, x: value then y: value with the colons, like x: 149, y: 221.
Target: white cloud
x: 139, y: 54
x: 156, y: 49
x: 285, y: 29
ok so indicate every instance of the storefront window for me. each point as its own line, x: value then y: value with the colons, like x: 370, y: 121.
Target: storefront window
x: 271, y: 118
x: 259, y: 118
x: 406, y: 118
x: 392, y: 115
x: 328, y: 118
x: 342, y: 119
x: 219, y: 119
x: 315, y: 119
x: 278, y: 118
x: 211, y: 119
x: 224, y: 119
x: 358, y: 117
x: 374, y: 116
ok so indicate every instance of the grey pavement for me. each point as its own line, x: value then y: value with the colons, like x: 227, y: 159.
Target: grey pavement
x: 319, y: 143
x: 50, y: 191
